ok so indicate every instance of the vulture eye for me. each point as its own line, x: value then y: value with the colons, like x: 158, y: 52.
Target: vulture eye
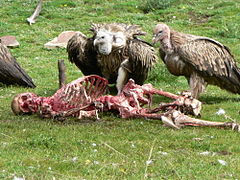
x: 102, y: 37
x: 160, y: 32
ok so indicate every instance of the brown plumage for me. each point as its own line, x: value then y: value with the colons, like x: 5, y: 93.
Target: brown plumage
x: 113, y: 52
x: 10, y: 70
x: 201, y: 60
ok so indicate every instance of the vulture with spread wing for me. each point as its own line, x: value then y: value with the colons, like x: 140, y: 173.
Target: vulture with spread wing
x: 113, y: 52
x: 10, y: 70
x: 201, y: 60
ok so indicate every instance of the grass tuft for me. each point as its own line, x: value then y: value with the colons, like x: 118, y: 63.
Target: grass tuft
x: 153, y: 5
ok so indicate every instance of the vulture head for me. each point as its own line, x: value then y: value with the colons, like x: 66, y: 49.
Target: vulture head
x: 106, y: 41
x: 110, y: 37
x: 161, y: 32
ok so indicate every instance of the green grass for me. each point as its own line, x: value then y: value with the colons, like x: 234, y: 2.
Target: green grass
x: 114, y: 148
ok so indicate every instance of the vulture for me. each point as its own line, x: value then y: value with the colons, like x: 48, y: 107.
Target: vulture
x: 201, y: 60
x: 10, y: 71
x: 114, y: 52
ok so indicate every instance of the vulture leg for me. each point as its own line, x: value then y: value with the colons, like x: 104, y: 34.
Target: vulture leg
x: 197, y: 85
x: 122, y: 76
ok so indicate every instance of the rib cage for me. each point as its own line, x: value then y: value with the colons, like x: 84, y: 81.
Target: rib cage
x: 81, y: 91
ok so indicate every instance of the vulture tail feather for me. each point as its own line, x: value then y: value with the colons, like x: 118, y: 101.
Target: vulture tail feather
x: 237, y: 72
x: 14, y: 74
x: 11, y: 72
x: 25, y: 79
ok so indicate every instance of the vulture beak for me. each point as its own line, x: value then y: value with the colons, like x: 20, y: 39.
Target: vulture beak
x: 154, y: 39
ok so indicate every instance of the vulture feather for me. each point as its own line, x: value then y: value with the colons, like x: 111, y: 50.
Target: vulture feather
x: 10, y: 70
x: 113, y: 52
x: 201, y: 60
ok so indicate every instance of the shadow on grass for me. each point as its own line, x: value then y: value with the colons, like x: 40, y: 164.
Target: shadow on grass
x: 215, y: 100
x: 107, y: 119
x: 205, y: 99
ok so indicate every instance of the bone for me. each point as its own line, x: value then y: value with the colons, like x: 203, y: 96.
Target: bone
x: 168, y: 122
x: 32, y: 19
x: 62, y: 75
x: 84, y: 98
x: 88, y: 114
x: 177, y: 120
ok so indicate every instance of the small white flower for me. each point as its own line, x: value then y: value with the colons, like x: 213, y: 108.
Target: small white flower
x: 18, y: 178
x: 210, y: 7
x: 220, y: 111
x: 178, y: 92
x: 95, y: 162
x: 205, y: 153
x: 222, y: 162
x: 162, y: 153
x: 74, y: 159
x: 4, y: 143
x: 148, y: 162
x: 95, y: 150
x: 93, y: 144
x: 114, y: 164
x: 133, y: 146
x: 49, y: 168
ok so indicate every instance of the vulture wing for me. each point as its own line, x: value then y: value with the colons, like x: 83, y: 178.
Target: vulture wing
x: 142, y: 57
x: 10, y: 70
x: 213, y: 61
x: 81, y: 52
x: 162, y: 54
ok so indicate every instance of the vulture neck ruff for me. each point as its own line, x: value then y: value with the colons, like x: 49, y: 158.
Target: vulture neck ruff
x: 110, y: 64
x: 111, y: 46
